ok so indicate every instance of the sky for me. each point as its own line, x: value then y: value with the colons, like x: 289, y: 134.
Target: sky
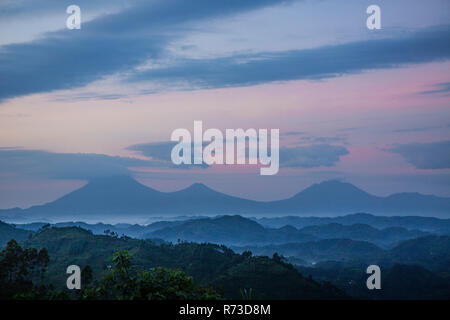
x: 370, y: 107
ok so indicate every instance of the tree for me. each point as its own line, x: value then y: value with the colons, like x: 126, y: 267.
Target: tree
x: 247, y: 294
x: 18, y: 267
x: 86, y: 275
x: 122, y: 282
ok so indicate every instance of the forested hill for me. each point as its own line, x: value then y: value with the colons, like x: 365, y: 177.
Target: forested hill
x: 209, y: 264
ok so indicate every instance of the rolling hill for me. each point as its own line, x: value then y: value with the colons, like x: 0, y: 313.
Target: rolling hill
x: 229, y: 230
x: 430, y: 252
x: 362, y: 232
x: 237, y: 230
x: 399, y: 281
x: 322, y: 250
x: 208, y: 264
x: 8, y: 232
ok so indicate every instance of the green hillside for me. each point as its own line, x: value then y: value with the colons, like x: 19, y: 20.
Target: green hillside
x: 208, y: 264
x: 8, y: 232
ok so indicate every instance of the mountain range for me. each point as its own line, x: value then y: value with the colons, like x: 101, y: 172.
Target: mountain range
x: 425, y: 224
x: 125, y: 198
x: 237, y: 230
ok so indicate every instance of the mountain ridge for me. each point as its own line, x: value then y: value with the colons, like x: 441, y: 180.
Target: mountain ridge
x: 122, y: 196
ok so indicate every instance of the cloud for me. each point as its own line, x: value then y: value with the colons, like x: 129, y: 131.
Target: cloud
x: 293, y: 133
x: 434, y: 155
x: 38, y: 163
x: 313, y: 139
x: 107, y: 45
x: 86, y: 166
x: 420, y: 129
x: 428, y: 45
x: 141, y: 34
x: 162, y: 151
x: 155, y: 150
x: 439, y: 88
x: 11, y: 8
x: 311, y: 156
x: 348, y: 129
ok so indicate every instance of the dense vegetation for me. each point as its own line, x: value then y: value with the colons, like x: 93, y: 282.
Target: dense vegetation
x: 18, y: 267
x: 21, y: 269
x: 432, y: 252
x: 398, y: 281
x: 8, y: 232
x: 121, y: 267
x: 218, y: 268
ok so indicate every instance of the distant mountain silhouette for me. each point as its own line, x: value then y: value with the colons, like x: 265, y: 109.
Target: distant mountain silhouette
x: 337, y: 197
x: 199, y: 199
x: 122, y: 196
x: 425, y: 224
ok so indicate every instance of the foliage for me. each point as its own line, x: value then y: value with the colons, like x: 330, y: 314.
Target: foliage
x: 87, y: 275
x: 208, y: 264
x: 9, y: 231
x: 124, y: 283
x: 247, y: 294
x: 18, y: 266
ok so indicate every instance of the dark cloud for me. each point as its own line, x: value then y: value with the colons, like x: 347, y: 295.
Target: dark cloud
x: 38, y: 163
x: 329, y: 61
x: 109, y: 44
x: 120, y: 42
x: 434, y: 155
x: 13, y: 8
x: 311, y: 156
x: 63, y: 61
x: 439, y: 88
x: 44, y: 164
